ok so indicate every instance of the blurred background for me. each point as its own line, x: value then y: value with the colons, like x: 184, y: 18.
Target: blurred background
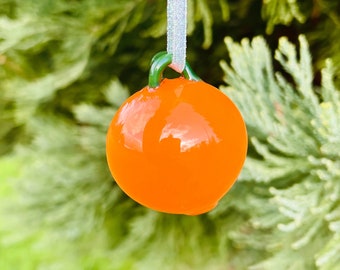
x: 66, y: 66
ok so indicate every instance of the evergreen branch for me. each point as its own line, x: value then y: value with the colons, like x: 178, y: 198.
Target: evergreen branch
x: 281, y: 12
x: 296, y: 140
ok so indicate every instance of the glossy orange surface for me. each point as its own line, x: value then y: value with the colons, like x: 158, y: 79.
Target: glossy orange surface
x: 178, y: 148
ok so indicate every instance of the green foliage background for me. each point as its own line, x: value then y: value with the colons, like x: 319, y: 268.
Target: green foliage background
x: 66, y: 66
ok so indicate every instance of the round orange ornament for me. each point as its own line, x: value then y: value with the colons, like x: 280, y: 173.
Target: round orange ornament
x: 178, y: 145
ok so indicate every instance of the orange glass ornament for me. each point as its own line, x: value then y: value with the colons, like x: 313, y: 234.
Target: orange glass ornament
x: 177, y: 147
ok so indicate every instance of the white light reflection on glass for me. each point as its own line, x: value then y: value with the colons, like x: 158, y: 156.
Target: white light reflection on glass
x: 191, y: 134
x: 133, y: 119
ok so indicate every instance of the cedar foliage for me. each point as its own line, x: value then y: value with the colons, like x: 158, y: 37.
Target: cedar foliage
x: 66, y: 66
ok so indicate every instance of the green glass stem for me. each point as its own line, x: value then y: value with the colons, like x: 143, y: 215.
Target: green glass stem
x: 162, y: 60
